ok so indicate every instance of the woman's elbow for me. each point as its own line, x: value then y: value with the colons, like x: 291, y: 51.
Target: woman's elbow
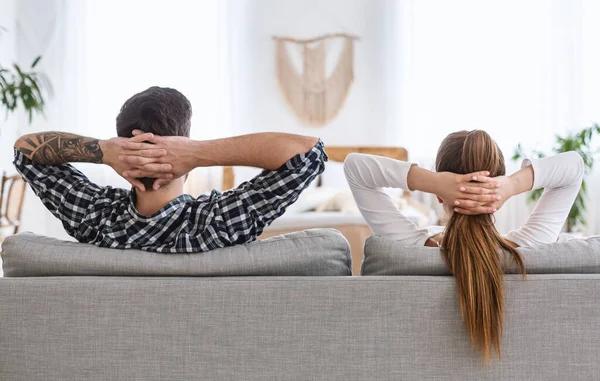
x: 579, y: 163
x: 350, y: 165
x: 576, y: 166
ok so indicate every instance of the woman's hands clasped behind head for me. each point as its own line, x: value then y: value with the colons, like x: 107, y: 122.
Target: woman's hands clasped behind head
x: 473, y: 193
x: 503, y: 191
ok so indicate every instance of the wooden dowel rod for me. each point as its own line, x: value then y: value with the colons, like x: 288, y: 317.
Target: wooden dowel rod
x: 307, y: 41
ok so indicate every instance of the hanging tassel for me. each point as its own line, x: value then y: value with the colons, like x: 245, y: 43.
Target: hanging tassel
x: 315, y: 98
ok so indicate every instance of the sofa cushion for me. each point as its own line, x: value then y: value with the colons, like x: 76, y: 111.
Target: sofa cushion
x: 317, y: 252
x: 384, y: 256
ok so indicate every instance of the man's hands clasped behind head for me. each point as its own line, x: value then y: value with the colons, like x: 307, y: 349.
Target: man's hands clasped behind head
x: 146, y: 162
x: 148, y: 155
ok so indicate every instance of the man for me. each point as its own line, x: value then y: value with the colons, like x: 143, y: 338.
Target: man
x: 154, y: 153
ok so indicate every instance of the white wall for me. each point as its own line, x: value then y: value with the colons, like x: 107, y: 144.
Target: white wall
x: 8, y: 54
x: 257, y: 103
x: 181, y: 53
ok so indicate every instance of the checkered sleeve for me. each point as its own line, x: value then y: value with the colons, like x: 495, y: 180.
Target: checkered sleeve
x: 65, y: 191
x: 240, y: 215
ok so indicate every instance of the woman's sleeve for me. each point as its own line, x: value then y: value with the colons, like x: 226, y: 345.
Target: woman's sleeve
x: 560, y: 176
x: 367, y: 175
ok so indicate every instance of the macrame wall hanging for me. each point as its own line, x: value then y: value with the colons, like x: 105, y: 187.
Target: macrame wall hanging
x: 315, y: 97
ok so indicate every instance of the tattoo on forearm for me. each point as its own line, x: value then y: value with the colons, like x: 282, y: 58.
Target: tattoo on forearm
x: 52, y: 148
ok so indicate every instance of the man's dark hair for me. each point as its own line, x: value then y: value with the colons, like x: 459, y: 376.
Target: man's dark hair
x: 160, y: 110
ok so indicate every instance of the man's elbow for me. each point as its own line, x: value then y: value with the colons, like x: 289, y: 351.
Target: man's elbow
x: 307, y: 143
x: 21, y: 141
x: 299, y: 145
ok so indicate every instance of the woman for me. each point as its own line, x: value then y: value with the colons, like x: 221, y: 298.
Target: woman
x: 470, y: 181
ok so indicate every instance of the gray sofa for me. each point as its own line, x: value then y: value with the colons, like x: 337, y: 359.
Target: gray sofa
x: 70, y: 311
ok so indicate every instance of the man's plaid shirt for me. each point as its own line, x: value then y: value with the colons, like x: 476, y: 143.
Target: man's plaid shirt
x: 107, y: 217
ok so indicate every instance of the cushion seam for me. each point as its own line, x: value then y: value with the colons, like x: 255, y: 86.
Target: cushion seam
x: 68, y: 244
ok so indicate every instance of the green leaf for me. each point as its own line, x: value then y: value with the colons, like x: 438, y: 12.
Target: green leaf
x: 18, y: 69
x: 517, y: 153
x: 35, y: 61
x: 21, y: 88
x: 583, y: 136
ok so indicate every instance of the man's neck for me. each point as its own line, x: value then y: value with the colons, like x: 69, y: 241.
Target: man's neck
x: 150, y: 202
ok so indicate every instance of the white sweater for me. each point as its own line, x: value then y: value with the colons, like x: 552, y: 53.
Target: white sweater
x: 560, y: 175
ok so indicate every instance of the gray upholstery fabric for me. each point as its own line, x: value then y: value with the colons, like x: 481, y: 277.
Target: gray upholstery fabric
x: 311, y: 252
x: 384, y: 256
x: 295, y: 328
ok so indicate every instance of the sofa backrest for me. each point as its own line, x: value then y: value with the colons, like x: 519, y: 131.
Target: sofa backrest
x: 315, y: 252
x: 384, y: 256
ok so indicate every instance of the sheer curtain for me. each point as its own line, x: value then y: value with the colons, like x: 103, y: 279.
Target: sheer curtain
x: 591, y: 98
x: 521, y: 70
x: 52, y: 28
x: 99, y: 53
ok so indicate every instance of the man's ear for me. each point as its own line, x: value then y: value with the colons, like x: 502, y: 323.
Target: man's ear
x: 439, y: 200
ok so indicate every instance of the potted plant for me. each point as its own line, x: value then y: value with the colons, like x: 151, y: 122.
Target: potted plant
x: 579, y: 142
x: 21, y: 87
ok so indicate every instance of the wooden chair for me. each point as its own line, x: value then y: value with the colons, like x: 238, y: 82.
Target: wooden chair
x: 12, y: 194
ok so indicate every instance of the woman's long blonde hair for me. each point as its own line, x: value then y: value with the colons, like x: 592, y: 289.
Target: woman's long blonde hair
x: 472, y: 246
